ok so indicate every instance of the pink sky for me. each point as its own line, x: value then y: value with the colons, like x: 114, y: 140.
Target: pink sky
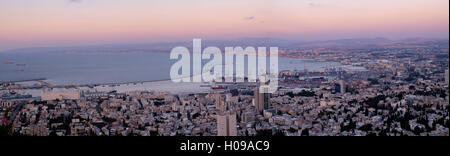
x: 26, y: 23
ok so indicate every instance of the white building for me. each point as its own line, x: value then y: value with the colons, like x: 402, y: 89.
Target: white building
x: 6, y: 103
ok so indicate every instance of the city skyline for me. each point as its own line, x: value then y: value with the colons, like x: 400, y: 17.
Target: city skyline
x: 259, y: 68
x: 83, y: 22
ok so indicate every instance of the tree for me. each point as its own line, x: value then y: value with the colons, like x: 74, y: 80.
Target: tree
x: 5, y: 130
x: 417, y: 130
x: 366, y: 127
x: 305, y: 132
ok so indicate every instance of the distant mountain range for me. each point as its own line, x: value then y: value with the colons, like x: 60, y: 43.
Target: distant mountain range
x: 244, y: 42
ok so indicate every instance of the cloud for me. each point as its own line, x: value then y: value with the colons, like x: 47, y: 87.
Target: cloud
x: 249, y: 18
x: 75, y: 1
x: 314, y: 5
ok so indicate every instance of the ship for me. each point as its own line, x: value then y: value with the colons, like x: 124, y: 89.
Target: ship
x: 21, y: 64
x: 219, y: 87
x: 8, y: 62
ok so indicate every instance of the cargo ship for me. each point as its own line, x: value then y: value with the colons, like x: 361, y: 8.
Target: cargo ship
x: 219, y: 87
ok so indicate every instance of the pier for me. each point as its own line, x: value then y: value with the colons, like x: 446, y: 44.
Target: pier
x: 44, y: 84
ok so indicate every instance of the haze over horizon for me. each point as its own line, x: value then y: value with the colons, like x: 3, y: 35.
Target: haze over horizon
x: 51, y: 23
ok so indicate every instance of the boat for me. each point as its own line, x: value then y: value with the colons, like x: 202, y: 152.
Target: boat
x: 21, y: 64
x: 8, y: 62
